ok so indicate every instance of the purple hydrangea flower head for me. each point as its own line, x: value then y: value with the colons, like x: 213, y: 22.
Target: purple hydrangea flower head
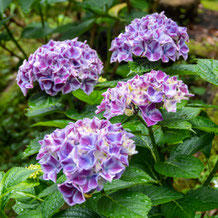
x: 142, y: 93
x: 90, y: 152
x: 61, y: 66
x: 154, y: 36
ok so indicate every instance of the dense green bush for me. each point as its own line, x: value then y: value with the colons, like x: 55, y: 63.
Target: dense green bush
x: 170, y: 153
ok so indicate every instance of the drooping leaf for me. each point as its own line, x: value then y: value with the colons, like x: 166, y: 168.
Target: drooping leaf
x: 77, y: 213
x: 192, y: 145
x: 125, y: 204
x: 72, y: 30
x: 26, y: 5
x: 97, y: 6
x: 183, y: 166
x: 53, y: 123
x: 204, y: 124
x: 42, y: 104
x: 114, y: 11
x: 207, y: 69
x: 158, y: 194
x: 4, y: 4
x: 94, y: 98
x: 36, y: 31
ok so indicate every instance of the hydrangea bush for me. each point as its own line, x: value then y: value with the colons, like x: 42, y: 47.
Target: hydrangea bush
x: 61, y: 67
x: 142, y: 93
x: 154, y: 36
x: 122, y: 162
x: 90, y: 152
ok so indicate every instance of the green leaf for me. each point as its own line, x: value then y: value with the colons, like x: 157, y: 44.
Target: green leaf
x: 70, y: 31
x: 125, y: 204
x: 140, y: 4
x: 34, y: 145
x: 174, y: 136
x: 207, y: 69
x: 131, y: 176
x: 88, y: 112
x: 109, y: 84
x: 182, y: 166
x: 94, y: 98
x: 117, y: 184
x: 157, y: 194
x: 176, y: 124
x: 42, y: 104
x: 202, y: 199
x: 77, y: 213
x: 53, y: 123
x: 142, y: 65
x: 36, y: 31
x: 192, y: 145
x: 4, y: 4
x: 26, y: 5
x: 201, y: 105
x: 135, y: 126
x: 204, y: 124
x: 19, y: 207
x: 185, y: 113
x: 97, y: 6
x: 181, y: 69
x: 13, y: 180
x: 52, y: 204
x: 37, y: 213
x: 206, y: 197
x: 182, y: 208
x: 145, y: 161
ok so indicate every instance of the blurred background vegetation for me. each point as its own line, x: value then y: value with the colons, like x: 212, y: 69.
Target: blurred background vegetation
x: 27, y: 24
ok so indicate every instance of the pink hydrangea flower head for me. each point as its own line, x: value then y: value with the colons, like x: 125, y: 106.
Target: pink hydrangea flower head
x: 142, y: 93
x: 154, y: 36
x: 89, y: 152
x: 61, y: 66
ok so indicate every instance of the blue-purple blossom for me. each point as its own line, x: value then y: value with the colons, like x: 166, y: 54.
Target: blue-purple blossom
x: 154, y: 36
x: 90, y: 152
x: 141, y: 93
x: 61, y: 66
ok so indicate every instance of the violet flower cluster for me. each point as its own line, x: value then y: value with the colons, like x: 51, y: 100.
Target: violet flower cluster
x: 61, y: 66
x: 142, y: 93
x: 90, y: 152
x: 154, y: 36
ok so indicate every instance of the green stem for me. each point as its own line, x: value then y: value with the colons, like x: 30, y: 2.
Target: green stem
x: 42, y: 20
x: 2, y: 214
x: 108, y: 47
x: 211, y: 175
x: 15, y: 41
x: 151, y: 134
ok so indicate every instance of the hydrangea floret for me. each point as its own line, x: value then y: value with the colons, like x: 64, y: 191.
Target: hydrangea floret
x: 144, y: 93
x: 61, y: 66
x: 154, y: 36
x: 90, y: 152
